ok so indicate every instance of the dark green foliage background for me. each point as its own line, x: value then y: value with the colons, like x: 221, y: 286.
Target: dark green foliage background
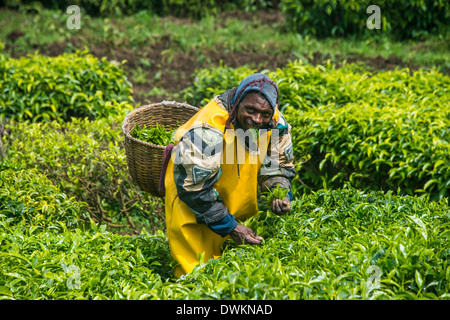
x: 404, y: 19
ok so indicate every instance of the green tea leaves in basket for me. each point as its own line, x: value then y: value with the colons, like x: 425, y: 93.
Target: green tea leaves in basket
x: 155, y: 135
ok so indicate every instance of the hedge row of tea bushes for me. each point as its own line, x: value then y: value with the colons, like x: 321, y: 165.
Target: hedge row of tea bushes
x: 63, y: 115
x: 87, y: 160
x: 388, y: 130
x: 62, y: 177
x: 49, y: 252
x: 342, y: 244
x: 38, y: 87
x: 28, y: 196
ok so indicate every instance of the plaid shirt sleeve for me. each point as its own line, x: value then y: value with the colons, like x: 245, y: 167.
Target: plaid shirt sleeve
x: 278, y: 166
x: 197, y: 168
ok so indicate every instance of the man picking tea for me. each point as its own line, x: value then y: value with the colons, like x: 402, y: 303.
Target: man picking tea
x: 238, y: 141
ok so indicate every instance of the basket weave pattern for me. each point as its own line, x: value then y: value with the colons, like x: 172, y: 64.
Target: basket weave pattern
x: 145, y: 159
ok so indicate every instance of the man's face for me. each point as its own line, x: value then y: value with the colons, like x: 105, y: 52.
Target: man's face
x: 254, y: 111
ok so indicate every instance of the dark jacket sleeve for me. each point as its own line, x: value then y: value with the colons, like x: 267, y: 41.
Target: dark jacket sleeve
x: 197, y: 168
x: 278, y: 166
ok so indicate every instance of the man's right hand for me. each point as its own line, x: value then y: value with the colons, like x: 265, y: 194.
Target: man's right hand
x: 244, y: 235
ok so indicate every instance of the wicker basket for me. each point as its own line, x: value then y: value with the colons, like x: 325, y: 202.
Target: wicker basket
x: 145, y: 159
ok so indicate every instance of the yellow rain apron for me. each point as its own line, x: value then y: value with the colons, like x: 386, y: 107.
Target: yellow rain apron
x: 238, y: 190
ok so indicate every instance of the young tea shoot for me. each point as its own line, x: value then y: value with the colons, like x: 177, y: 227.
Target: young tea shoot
x: 276, y: 193
x: 261, y: 221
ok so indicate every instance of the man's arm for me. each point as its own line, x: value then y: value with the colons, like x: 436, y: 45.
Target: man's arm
x: 197, y: 168
x: 278, y: 168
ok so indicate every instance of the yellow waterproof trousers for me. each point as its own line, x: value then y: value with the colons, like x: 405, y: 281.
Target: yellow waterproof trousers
x: 238, y: 190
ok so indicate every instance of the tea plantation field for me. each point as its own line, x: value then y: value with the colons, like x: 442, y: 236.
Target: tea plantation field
x: 370, y: 217
x: 340, y: 244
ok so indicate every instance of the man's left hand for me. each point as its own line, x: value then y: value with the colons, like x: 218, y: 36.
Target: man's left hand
x: 280, y: 207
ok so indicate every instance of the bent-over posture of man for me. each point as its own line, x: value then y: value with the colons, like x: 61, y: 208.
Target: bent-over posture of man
x: 238, y: 141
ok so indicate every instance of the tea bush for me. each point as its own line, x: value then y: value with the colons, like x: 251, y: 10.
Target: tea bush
x: 332, y: 246
x: 340, y: 244
x: 86, y: 158
x: 405, y: 148
x: 67, y: 264
x: 28, y: 195
x: 50, y: 249
x: 386, y: 130
x: 39, y: 88
x: 401, y: 18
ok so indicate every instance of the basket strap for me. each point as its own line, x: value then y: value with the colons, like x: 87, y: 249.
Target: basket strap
x: 166, y: 156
